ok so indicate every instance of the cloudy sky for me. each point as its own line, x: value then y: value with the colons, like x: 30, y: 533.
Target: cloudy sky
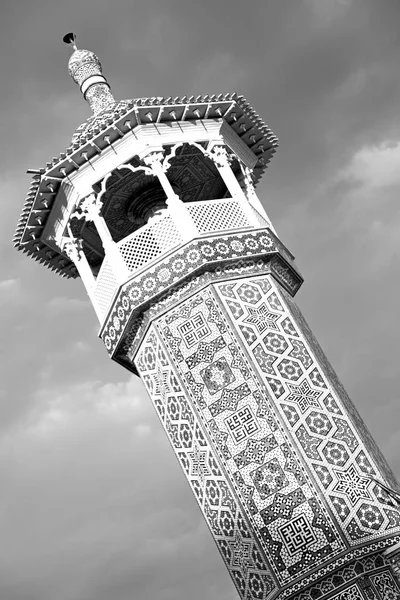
x: 92, y: 502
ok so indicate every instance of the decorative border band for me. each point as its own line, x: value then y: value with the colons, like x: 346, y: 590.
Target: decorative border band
x: 190, y: 260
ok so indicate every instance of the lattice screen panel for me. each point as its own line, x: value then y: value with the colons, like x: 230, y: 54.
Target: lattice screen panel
x: 217, y: 216
x: 149, y: 242
x: 106, y: 284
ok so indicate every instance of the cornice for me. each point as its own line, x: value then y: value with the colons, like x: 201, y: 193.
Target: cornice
x: 100, y: 132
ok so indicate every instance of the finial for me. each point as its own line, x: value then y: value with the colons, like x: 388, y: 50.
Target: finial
x: 85, y: 69
x: 70, y: 39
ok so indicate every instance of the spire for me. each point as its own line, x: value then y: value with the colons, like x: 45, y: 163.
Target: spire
x: 85, y: 69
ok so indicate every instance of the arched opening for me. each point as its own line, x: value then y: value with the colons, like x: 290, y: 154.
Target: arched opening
x: 132, y: 198
x: 91, y: 243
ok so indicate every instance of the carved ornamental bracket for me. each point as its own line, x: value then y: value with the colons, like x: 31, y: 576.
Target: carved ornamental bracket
x: 88, y: 208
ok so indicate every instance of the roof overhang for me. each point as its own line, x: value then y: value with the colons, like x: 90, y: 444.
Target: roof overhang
x: 107, y: 129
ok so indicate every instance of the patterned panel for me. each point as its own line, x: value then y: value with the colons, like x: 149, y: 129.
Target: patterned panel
x: 351, y: 593
x: 133, y: 335
x: 362, y: 570
x: 228, y: 524
x: 256, y: 478
x: 318, y: 422
x: 229, y: 253
x: 386, y: 586
x: 349, y: 407
x: 148, y: 242
x: 287, y: 518
x: 218, y: 215
x: 242, y: 424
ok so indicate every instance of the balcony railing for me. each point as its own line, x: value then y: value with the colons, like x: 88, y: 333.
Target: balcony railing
x: 149, y: 242
x: 156, y: 238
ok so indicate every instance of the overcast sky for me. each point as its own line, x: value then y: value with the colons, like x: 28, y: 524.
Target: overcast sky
x: 93, y: 505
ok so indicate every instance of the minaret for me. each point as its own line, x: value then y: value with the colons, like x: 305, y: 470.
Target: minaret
x: 154, y: 206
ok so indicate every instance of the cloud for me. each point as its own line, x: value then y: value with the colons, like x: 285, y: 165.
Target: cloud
x: 62, y: 304
x: 8, y: 285
x: 60, y: 411
x: 355, y: 82
x: 369, y: 203
x: 91, y: 481
x: 11, y: 292
x: 327, y: 11
x: 374, y: 166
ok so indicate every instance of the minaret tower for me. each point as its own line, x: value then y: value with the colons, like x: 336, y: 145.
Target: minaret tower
x: 153, y: 206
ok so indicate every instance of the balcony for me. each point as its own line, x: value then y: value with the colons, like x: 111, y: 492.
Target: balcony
x: 144, y: 246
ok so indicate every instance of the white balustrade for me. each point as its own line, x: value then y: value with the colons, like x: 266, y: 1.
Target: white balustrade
x: 149, y: 242
x: 218, y: 215
x: 161, y: 236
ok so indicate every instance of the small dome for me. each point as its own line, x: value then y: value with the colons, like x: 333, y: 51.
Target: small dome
x: 82, y: 64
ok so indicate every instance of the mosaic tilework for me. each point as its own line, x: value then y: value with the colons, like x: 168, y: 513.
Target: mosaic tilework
x: 363, y: 571
x: 294, y: 530
x: 134, y: 333
x: 190, y: 259
x: 351, y: 593
x: 386, y: 586
x: 242, y: 424
x: 375, y: 586
x: 325, y: 436
x: 239, y: 549
x: 297, y: 534
x: 350, y: 409
x: 262, y: 473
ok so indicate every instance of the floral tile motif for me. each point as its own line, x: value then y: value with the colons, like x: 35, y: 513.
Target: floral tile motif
x: 217, y: 376
x: 385, y: 585
x: 269, y: 478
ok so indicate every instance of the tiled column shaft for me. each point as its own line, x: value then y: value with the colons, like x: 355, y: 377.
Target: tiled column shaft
x: 274, y: 451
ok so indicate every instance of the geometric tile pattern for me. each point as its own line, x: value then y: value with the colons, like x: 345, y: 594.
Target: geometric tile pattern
x: 240, y: 551
x: 181, y: 264
x: 371, y: 574
x: 241, y: 424
x: 386, y: 586
x: 194, y: 330
x: 320, y: 426
x: 270, y: 452
x: 269, y: 478
x: 297, y: 534
x: 260, y: 464
x: 351, y: 593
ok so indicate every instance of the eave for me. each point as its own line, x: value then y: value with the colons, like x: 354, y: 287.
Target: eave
x: 110, y: 126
